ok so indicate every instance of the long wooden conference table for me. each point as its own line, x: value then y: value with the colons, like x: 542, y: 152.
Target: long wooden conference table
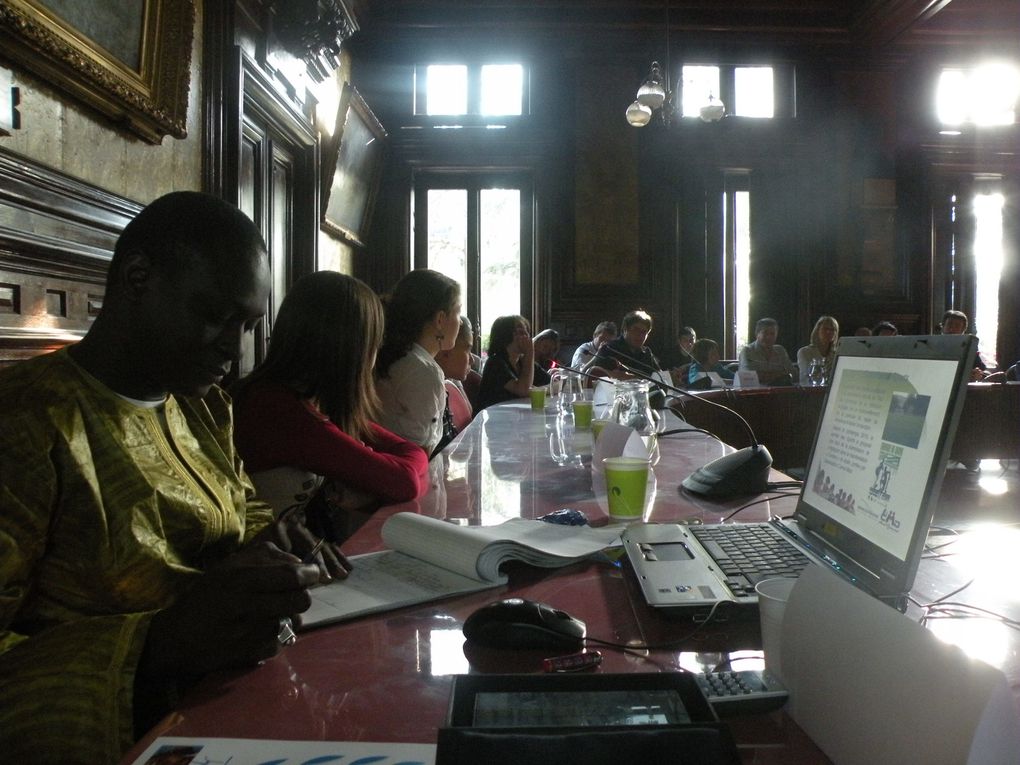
x: 387, y: 677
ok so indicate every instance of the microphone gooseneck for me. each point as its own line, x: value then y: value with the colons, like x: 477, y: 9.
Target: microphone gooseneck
x: 687, y: 394
x: 745, y: 471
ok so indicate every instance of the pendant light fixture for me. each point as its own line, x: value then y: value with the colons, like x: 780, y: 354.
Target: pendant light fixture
x: 654, y: 95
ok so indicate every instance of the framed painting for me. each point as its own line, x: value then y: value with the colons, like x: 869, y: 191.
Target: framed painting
x: 129, y: 59
x: 351, y: 163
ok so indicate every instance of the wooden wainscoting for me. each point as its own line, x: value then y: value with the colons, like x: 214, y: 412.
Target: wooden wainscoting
x: 56, y: 240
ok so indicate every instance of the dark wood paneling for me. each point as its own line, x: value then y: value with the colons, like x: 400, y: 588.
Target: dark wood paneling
x: 56, y: 239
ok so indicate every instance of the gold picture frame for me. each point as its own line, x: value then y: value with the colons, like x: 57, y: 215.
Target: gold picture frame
x: 351, y: 165
x: 70, y: 44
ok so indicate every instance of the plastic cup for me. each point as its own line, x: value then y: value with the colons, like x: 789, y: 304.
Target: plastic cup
x: 537, y: 398
x: 582, y: 413
x: 596, y: 427
x: 772, y: 597
x: 626, y: 485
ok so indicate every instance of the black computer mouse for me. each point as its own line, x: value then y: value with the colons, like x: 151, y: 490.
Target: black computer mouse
x: 523, y: 624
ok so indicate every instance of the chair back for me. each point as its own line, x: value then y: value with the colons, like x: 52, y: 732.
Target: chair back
x: 460, y: 407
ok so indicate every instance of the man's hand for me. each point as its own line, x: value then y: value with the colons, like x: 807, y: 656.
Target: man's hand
x: 231, y: 615
x: 290, y: 534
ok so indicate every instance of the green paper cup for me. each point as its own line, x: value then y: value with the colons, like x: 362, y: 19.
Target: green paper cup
x: 626, y: 485
x: 538, y: 398
x: 582, y: 414
x: 596, y: 427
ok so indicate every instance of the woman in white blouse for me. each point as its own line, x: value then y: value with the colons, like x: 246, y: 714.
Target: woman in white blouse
x: 422, y: 318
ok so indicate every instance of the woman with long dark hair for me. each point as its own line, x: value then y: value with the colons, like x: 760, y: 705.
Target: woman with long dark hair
x: 422, y: 318
x: 509, y: 371
x: 305, y: 415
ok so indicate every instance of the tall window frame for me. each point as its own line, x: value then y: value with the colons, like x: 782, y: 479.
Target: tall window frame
x: 737, y: 286
x: 957, y: 243
x: 474, y: 182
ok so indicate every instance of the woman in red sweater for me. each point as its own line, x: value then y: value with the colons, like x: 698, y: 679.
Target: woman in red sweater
x: 304, y: 417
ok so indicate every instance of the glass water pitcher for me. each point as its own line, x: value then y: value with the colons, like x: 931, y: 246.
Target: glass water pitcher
x: 632, y: 409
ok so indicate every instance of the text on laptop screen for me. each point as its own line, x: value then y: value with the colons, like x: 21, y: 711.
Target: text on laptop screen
x: 875, y: 445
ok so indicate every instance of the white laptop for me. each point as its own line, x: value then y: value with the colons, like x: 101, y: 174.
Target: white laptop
x: 870, y: 489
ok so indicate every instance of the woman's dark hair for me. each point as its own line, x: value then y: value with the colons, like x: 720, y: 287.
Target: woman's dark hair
x: 702, y: 348
x: 502, y: 334
x: 324, y: 341
x: 414, y: 301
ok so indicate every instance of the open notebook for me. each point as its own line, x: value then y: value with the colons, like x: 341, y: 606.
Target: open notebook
x: 871, y: 486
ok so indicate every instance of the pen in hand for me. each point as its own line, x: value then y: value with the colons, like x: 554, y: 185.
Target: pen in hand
x: 310, y: 557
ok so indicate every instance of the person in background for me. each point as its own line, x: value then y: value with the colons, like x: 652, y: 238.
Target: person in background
x: 136, y: 558
x: 510, y: 370
x: 584, y: 355
x: 304, y: 417
x: 862, y: 332
x: 680, y: 355
x: 422, y: 318
x: 821, y: 349
x: 629, y: 349
x: 547, y: 345
x: 764, y: 356
x: 456, y: 365
x: 956, y: 323
x: 705, y: 353
x: 884, y: 329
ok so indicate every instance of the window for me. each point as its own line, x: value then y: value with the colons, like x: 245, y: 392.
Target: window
x: 736, y: 261
x: 476, y: 229
x: 747, y: 91
x: 988, y: 260
x: 969, y: 244
x: 985, y: 95
x: 474, y: 90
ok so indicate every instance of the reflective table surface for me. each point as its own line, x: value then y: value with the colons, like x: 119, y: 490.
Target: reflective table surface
x: 387, y: 677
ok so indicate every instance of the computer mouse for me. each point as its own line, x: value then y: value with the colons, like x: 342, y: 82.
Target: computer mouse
x: 524, y: 624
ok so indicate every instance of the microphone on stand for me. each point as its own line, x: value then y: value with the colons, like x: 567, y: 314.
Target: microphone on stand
x: 745, y: 471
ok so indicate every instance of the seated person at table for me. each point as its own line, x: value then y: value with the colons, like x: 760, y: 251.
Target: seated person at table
x: 584, y: 355
x: 135, y: 557
x: 706, y: 359
x: 763, y: 356
x: 547, y: 345
x: 510, y: 370
x: 821, y: 350
x: 456, y: 365
x: 629, y: 349
x: 884, y: 329
x: 303, y: 418
x: 680, y: 355
x: 422, y: 318
x: 956, y: 323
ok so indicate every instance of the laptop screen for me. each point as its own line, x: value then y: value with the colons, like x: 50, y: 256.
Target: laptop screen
x: 881, y: 448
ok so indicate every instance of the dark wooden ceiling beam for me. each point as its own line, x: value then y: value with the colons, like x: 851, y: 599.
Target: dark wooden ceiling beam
x: 881, y: 23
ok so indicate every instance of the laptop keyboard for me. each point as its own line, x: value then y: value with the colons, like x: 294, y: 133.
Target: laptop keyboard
x: 748, y: 553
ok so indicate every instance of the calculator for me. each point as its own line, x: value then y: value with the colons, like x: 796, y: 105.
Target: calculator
x: 747, y: 692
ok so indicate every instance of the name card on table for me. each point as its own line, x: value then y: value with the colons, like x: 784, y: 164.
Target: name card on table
x: 870, y: 685
x: 259, y: 752
x: 617, y: 440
